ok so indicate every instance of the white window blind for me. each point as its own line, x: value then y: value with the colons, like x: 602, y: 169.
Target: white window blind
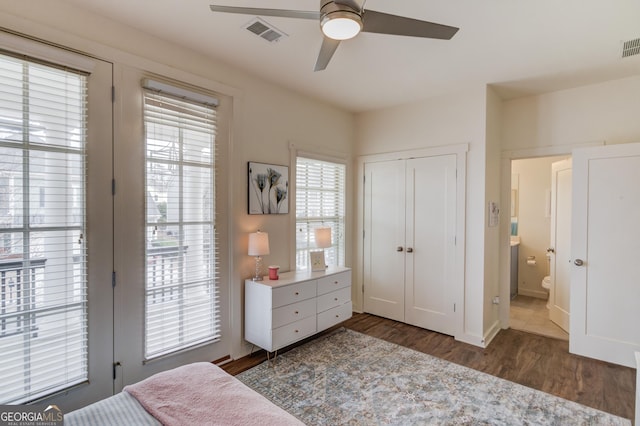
x: 181, y: 289
x: 43, y: 272
x: 320, y: 201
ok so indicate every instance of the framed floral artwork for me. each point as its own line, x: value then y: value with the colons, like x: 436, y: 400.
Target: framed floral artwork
x: 268, y: 188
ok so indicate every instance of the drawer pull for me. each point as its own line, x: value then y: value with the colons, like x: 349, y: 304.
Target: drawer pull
x: 296, y: 331
x: 297, y: 293
x: 336, y: 299
x: 337, y: 316
x: 296, y: 312
x: 335, y: 282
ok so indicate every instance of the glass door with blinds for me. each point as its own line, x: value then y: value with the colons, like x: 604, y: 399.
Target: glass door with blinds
x: 55, y: 227
x: 168, y: 272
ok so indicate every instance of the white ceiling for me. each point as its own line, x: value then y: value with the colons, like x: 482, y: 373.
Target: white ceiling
x: 520, y: 46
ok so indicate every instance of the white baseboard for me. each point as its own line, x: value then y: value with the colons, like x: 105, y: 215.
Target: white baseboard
x: 540, y: 294
x: 471, y: 339
x: 491, y: 333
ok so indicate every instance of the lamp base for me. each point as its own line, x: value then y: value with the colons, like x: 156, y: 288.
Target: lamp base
x: 258, y: 275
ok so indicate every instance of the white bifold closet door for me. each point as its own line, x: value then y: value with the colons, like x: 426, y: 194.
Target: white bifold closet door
x: 409, y: 240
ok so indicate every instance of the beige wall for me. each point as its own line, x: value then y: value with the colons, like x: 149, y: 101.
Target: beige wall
x: 601, y: 112
x: 265, y: 119
x: 454, y: 119
x: 553, y: 123
x: 491, y: 325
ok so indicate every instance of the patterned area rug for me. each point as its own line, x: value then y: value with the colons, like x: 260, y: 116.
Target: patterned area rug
x: 348, y: 378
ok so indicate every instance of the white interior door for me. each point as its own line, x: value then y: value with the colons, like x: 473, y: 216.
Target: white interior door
x: 430, y: 239
x: 560, y: 268
x: 605, y: 250
x: 384, y: 244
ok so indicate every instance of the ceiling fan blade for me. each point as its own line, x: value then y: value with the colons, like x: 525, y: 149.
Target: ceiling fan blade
x: 327, y: 50
x: 284, y: 13
x: 384, y: 23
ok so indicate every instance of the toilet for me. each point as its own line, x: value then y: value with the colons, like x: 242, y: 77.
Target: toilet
x: 546, y: 284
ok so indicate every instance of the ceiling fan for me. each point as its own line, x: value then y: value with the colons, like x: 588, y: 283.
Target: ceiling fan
x: 344, y: 19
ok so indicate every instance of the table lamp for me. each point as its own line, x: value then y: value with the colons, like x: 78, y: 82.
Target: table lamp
x: 323, y: 241
x: 258, y: 247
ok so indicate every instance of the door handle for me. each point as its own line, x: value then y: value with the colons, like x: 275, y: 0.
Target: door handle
x: 399, y: 248
x: 578, y: 262
x: 409, y: 250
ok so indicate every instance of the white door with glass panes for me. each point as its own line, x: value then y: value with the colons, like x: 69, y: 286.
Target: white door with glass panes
x: 169, y: 296
x: 56, y: 336
x: 409, y: 241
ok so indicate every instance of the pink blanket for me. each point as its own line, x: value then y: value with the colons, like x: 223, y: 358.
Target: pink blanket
x: 204, y: 394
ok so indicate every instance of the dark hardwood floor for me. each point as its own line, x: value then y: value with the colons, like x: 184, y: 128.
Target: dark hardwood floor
x: 538, y: 362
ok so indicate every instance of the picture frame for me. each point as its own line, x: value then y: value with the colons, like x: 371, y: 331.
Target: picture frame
x: 268, y: 191
x: 316, y: 258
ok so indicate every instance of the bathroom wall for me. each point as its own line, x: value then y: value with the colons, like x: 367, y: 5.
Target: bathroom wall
x: 533, y: 180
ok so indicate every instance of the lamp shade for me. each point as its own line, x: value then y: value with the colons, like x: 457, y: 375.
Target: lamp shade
x: 258, y: 244
x: 323, y: 237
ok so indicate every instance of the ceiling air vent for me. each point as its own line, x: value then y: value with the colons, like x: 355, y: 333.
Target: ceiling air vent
x: 630, y: 48
x: 264, y: 30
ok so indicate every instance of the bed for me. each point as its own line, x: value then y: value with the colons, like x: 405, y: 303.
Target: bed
x: 194, y: 394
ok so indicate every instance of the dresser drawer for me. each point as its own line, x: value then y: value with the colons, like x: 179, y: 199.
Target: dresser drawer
x: 334, y: 316
x: 293, y: 312
x: 293, y: 332
x: 333, y: 299
x: 334, y: 282
x: 293, y: 293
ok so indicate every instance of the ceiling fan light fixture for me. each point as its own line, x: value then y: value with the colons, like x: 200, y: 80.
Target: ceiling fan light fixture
x: 341, y: 25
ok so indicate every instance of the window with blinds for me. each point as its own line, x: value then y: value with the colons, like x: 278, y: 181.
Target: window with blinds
x: 320, y: 202
x: 43, y: 262
x: 181, y: 289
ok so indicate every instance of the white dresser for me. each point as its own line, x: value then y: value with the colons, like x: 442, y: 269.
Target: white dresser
x: 301, y: 303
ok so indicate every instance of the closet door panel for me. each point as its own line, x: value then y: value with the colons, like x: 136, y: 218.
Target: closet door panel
x: 384, y: 246
x: 430, y: 233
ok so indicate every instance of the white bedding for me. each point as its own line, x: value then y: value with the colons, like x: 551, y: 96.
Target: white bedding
x: 120, y: 409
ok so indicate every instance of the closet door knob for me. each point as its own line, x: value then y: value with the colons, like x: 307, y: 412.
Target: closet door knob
x: 409, y: 250
x: 578, y: 262
x: 399, y: 248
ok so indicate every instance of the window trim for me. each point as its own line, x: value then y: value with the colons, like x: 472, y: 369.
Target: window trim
x: 320, y: 155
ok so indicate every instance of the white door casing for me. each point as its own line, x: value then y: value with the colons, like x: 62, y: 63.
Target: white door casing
x: 410, y: 221
x: 605, y: 250
x: 560, y: 267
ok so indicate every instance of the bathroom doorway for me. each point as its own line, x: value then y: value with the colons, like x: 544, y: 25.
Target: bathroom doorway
x: 534, y: 255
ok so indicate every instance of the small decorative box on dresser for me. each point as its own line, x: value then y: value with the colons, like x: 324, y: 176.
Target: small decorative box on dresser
x: 280, y: 312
